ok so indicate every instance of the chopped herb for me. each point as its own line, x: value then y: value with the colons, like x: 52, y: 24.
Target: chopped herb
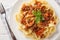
x: 38, y: 16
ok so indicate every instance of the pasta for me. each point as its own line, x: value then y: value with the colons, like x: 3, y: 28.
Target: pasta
x: 37, y: 19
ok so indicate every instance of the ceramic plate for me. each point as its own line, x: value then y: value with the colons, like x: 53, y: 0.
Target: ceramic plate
x: 19, y: 35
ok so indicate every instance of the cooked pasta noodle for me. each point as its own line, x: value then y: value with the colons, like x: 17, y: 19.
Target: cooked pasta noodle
x: 38, y: 24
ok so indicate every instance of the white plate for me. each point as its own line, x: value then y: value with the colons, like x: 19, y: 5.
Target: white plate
x: 19, y: 35
x: 8, y: 3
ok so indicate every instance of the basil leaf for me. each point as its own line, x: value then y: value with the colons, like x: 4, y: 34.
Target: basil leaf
x: 38, y: 16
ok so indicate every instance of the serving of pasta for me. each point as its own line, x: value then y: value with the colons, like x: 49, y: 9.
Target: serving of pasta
x: 37, y: 19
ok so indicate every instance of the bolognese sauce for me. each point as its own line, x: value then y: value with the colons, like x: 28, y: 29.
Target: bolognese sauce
x: 36, y: 17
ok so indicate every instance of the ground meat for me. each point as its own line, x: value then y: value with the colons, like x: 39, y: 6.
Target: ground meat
x: 34, y: 28
x: 43, y: 9
x: 38, y: 3
x: 42, y: 36
x: 40, y: 31
x: 23, y: 21
x: 47, y: 15
x: 42, y: 24
x: 25, y: 8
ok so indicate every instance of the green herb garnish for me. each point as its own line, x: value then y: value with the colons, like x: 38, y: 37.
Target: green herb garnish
x: 38, y: 16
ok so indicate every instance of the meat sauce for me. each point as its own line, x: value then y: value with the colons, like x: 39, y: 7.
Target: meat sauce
x: 28, y: 17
